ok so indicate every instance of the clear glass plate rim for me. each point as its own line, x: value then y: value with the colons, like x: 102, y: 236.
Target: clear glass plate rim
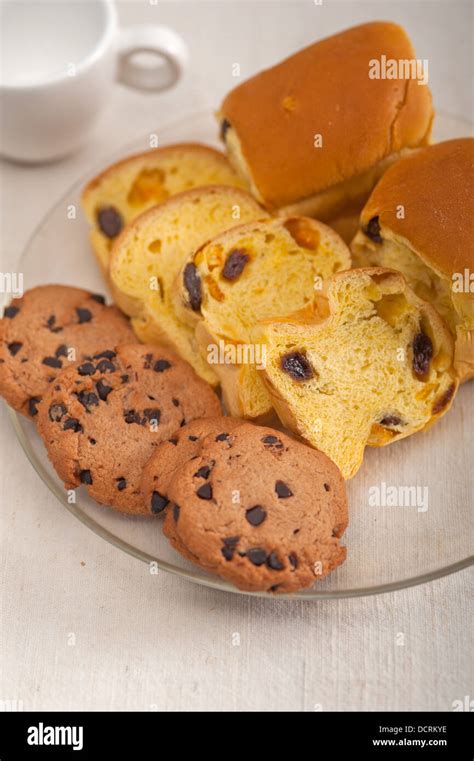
x: 163, y: 565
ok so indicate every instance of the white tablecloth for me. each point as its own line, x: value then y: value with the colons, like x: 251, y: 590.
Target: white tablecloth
x: 85, y: 626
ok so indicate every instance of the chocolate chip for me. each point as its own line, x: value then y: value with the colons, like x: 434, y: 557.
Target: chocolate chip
x: 161, y: 365
x: 373, y: 230
x: 222, y: 437
x: 103, y: 390
x: 57, y: 412
x: 147, y: 359
x: 274, y: 562
x: 98, y: 297
x: 183, y: 423
x: 257, y: 556
x: 32, y: 405
x: 11, y: 312
x: 72, y: 424
x: 84, y: 315
x: 193, y: 438
x: 108, y: 354
x: 230, y: 544
x: 62, y: 351
x: 93, y: 442
x: 158, y: 502
x: 110, y: 221
x: 235, y: 263
x: 283, y: 490
x: 205, y: 491
x: 390, y: 420
x: 124, y: 378
x: 52, y: 362
x: 152, y: 414
x: 176, y: 511
x: 273, y: 441
x: 174, y: 442
x: 175, y: 402
x: 203, y: 472
x: 422, y: 354
x: 121, y: 483
x: 297, y: 365
x: 327, y: 487
x: 86, y: 369
x: 443, y: 400
x: 88, y: 399
x: 131, y: 416
x: 106, y: 366
x: 256, y: 515
x: 14, y: 347
x: 192, y: 283
x: 85, y: 477
x: 51, y: 320
x: 225, y: 125
x: 231, y: 541
x: 293, y: 560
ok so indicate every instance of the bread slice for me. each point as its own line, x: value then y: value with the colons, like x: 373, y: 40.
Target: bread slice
x: 253, y: 272
x: 419, y: 220
x: 125, y: 189
x: 374, y: 365
x: 149, y: 253
x: 313, y: 134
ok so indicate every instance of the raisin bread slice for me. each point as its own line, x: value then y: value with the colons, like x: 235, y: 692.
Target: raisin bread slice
x: 149, y: 253
x: 375, y: 364
x: 125, y: 189
x: 250, y: 273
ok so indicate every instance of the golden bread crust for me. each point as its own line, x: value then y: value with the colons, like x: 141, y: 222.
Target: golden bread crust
x: 317, y: 91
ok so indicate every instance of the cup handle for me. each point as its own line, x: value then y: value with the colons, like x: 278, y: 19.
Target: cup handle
x: 166, y: 45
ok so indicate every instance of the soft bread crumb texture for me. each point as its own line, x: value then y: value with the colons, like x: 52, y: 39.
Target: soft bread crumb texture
x: 252, y: 273
x: 151, y: 251
x: 139, y: 182
x: 363, y: 384
x: 422, y: 214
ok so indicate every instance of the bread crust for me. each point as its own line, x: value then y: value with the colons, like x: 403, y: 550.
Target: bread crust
x: 316, y: 91
x: 435, y: 190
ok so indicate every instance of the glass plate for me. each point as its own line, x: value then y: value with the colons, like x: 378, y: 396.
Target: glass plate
x: 388, y: 547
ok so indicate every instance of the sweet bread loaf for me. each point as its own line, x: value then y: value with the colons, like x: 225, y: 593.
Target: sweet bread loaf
x: 375, y: 364
x: 149, y: 253
x: 313, y: 134
x: 250, y: 273
x: 126, y: 189
x: 419, y: 220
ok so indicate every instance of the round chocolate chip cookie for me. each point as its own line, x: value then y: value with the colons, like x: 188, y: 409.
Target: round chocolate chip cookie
x: 183, y: 445
x: 101, y: 419
x: 259, y: 509
x: 46, y: 330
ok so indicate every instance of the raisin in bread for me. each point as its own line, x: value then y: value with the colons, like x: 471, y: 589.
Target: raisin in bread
x: 375, y: 364
x: 419, y: 220
x: 250, y: 273
x: 124, y: 190
x: 149, y: 253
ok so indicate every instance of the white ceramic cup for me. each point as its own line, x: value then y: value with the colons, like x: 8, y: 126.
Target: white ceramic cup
x: 59, y: 62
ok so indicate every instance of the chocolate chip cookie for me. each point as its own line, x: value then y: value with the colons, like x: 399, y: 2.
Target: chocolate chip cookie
x: 259, y: 509
x: 183, y: 445
x: 46, y: 330
x: 101, y: 419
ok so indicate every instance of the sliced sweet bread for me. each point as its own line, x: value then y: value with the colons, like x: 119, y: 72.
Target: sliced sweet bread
x: 150, y: 252
x: 375, y: 364
x: 253, y: 272
x: 127, y: 188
